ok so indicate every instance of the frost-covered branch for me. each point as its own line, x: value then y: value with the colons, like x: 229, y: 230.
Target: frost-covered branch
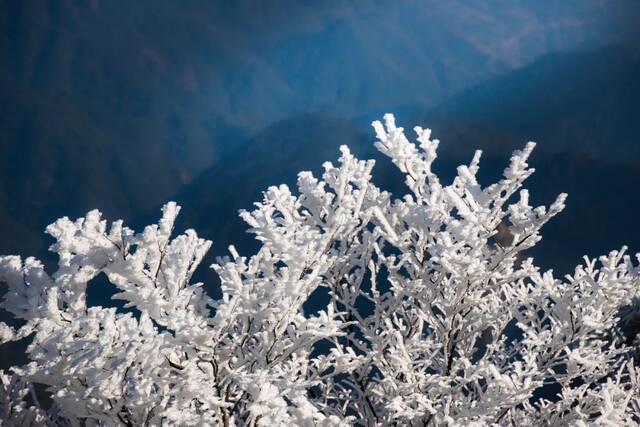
x: 432, y: 320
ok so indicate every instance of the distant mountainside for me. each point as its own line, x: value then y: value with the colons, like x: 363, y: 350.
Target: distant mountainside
x: 586, y: 102
x: 120, y: 106
x: 57, y: 159
x: 249, y: 63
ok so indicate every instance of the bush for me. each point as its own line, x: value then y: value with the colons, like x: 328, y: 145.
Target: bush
x: 435, y: 316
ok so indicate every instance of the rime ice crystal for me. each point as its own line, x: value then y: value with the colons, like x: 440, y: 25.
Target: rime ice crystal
x: 432, y: 320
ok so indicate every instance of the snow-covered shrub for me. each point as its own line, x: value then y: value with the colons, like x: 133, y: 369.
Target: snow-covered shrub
x: 432, y: 320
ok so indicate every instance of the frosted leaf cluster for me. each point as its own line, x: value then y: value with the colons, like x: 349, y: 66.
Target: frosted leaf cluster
x: 431, y: 318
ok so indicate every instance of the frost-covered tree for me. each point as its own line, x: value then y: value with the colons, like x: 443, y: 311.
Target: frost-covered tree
x: 431, y: 320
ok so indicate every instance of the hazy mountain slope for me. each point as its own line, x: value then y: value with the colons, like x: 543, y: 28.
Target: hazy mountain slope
x: 119, y: 106
x: 588, y: 102
x: 56, y: 159
x: 47, y: 165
